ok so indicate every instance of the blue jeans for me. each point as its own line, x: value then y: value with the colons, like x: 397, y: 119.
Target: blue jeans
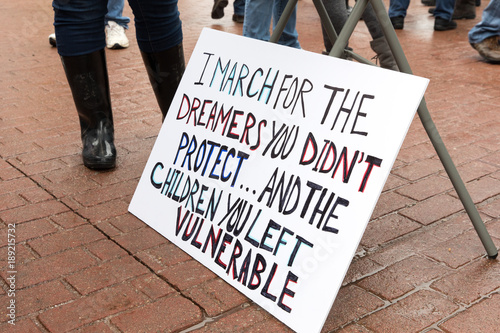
x: 444, y: 8
x: 489, y: 25
x: 239, y: 7
x: 398, y: 7
x: 79, y: 25
x: 115, y: 12
x: 258, y: 15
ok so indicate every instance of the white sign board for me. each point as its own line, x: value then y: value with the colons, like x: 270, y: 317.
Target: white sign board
x: 269, y: 164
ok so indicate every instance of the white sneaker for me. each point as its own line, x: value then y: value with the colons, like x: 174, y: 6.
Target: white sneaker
x: 115, y: 36
x: 52, y: 39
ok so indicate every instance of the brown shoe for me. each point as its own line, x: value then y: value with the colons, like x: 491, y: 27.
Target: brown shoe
x: 488, y: 49
x: 464, y: 9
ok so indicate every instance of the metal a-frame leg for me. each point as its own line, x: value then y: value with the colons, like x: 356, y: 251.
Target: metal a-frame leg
x: 338, y: 50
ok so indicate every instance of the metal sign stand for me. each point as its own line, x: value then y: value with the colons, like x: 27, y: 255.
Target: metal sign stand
x: 339, y: 50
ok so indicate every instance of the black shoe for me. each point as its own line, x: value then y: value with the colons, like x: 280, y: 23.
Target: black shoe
x: 429, y: 2
x: 432, y: 10
x: 478, y: 3
x: 238, y: 18
x: 443, y: 25
x: 398, y: 22
x: 218, y: 8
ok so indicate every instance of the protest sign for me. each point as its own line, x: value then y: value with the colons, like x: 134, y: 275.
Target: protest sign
x: 269, y: 164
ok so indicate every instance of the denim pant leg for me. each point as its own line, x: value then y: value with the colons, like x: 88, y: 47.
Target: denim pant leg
x: 289, y: 37
x: 258, y: 15
x: 157, y: 24
x: 239, y: 7
x: 489, y: 25
x: 115, y: 12
x: 444, y: 9
x: 398, y: 8
x: 79, y: 26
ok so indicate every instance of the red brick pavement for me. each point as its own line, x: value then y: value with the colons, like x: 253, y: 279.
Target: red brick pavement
x: 86, y: 265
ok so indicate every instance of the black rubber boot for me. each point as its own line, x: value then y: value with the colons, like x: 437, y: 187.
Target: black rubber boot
x: 88, y: 79
x: 165, y: 71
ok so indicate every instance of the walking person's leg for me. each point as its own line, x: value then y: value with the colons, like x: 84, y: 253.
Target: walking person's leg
x: 159, y: 36
x: 290, y: 36
x: 79, y: 27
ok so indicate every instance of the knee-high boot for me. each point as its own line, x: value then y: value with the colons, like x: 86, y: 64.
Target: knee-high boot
x: 165, y: 71
x: 88, y: 79
x: 384, y: 53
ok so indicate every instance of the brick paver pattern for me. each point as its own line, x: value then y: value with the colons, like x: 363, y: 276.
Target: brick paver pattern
x: 84, y: 264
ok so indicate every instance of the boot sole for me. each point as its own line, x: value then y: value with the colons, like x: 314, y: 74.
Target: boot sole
x: 99, y: 165
x: 117, y: 46
x: 444, y: 28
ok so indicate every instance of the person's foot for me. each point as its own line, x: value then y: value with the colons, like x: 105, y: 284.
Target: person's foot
x: 489, y: 49
x: 398, y: 22
x: 99, y: 150
x: 467, y: 12
x: 345, y: 55
x: 115, y: 36
x: 218, y: 8
x: 457, y: 16
x: 464, y: 16
x: 429, y: 2
x: 52, y: 39
x: 441, y: 24
x: 238, y: 18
